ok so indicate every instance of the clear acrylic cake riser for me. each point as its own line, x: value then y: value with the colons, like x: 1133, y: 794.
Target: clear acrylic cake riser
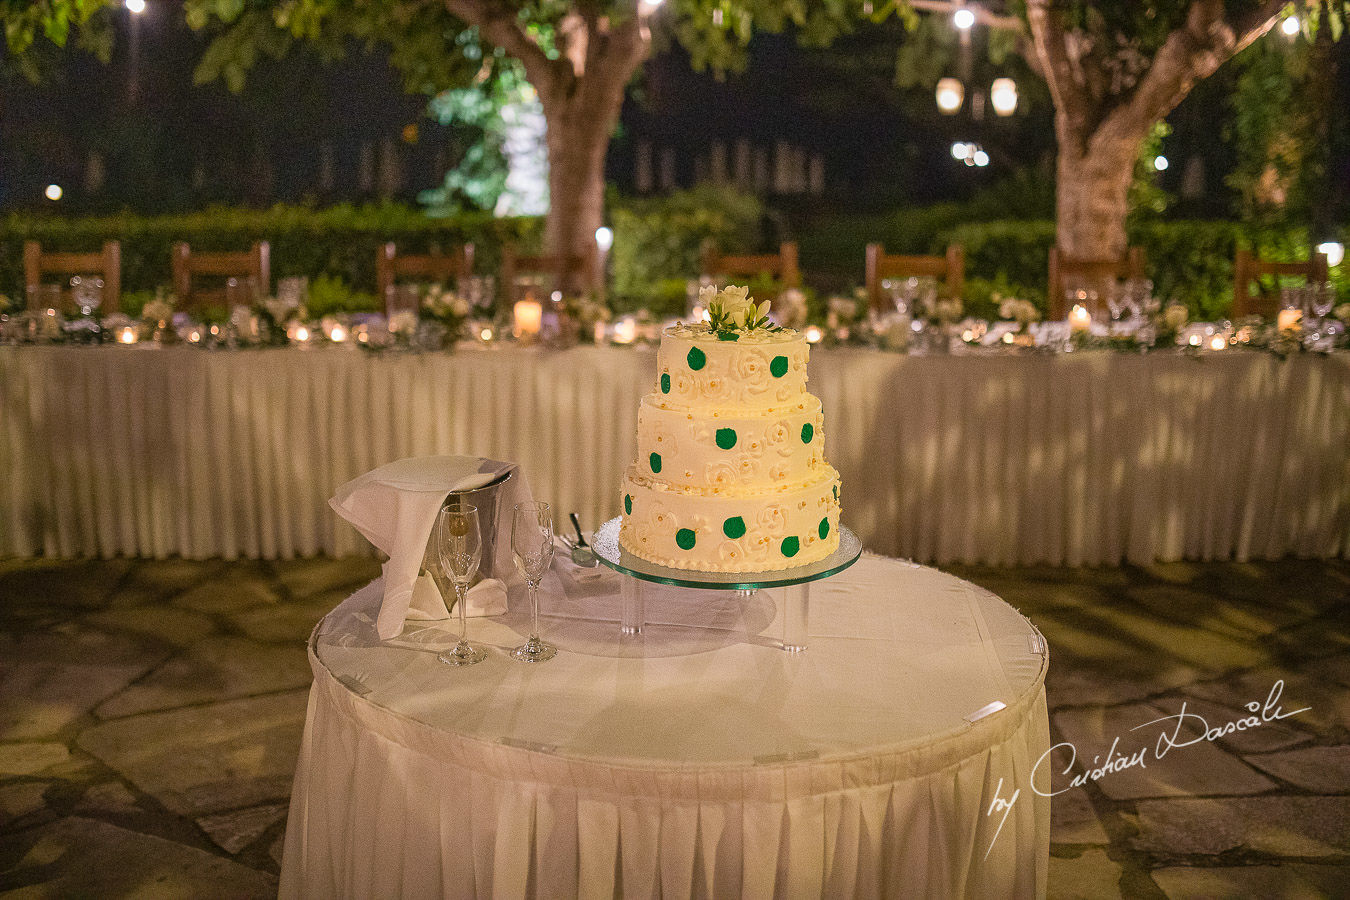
x: 795, y: 582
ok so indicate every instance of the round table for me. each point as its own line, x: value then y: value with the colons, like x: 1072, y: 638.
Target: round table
x: 694, y: 759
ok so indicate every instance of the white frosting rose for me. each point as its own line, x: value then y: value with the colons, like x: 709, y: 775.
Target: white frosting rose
x: 779, y: 432
x: 720, y: 474
x: 751, y: 369
x: 779, y: 472
x: 747, y: 466
x: 729, y: 552
x: 772, y: 520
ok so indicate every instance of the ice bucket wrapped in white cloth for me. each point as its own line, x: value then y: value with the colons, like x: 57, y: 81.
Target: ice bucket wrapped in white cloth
x: 395, y: 507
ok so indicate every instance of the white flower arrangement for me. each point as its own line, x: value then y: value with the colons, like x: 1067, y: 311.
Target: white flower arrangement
x: 733, y: 309
x: 444, y: 304
x: 403, y: 323
x: 1023, y: 312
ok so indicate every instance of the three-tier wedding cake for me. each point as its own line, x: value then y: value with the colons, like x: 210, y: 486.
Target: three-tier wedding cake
x: 731, y: 473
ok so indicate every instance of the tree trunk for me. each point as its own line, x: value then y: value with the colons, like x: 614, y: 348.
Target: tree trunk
x: 1092, y: 185
x: 578, y: 138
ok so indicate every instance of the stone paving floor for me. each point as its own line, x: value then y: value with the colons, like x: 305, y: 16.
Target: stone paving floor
x: 150, y: 715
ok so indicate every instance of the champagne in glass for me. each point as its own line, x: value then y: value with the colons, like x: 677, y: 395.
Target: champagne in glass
x: 459, y: 549
x: 532, y: 550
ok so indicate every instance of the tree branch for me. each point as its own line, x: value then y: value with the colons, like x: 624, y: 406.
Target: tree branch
x: 1190, y: 54
x: 1050, y: 43
x: 500, y: 26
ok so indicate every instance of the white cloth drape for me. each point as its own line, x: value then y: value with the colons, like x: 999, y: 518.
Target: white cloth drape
x: 1086, y: 458
x: 645, y: 770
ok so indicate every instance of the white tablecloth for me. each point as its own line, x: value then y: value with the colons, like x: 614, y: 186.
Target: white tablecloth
x: 1081, y: 459
x: 686, y: 762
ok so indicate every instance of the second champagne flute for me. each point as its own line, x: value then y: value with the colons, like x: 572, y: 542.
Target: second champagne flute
x: 532, y: 550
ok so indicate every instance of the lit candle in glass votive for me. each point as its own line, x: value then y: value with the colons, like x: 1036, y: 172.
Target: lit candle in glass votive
x: 299, y: 333
x: 1218, y: 342
x: 814, y: 334
x: 337, y: 334
x: 195, y: 336
x: 486, y: 334
x: 529, y: 316
x: 127, y: 335
x: 1079, y: 318
x: 1289, y: 319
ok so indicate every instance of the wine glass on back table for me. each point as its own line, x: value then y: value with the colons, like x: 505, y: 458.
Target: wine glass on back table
x: 532, y: 550
x: 459, y: 550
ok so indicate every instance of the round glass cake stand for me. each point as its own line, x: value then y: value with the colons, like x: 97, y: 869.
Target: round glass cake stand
x: 795, y: 582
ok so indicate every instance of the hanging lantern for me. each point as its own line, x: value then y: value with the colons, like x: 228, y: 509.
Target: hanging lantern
x: 950, y: 93
x: 1003, y: 94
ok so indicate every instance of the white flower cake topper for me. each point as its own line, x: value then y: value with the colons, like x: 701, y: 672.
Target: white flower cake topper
x: 733, y: 309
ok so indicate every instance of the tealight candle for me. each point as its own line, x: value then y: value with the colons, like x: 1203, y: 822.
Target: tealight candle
x: 814, y: 334
x: 195, y: 336
x: 1194, y: 340
x: 1079, y: 318
x: 529, y: 317
x: 301, y: 333
x: 1289, y: 319
x: 337, y: 334
x: 1218, y: 342
x: 127, y: 335
x: 625, y: 330
x: 485, y: 335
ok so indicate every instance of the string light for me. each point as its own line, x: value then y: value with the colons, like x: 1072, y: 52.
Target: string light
x: 963, y: 18
x: 1334, y: 251
x: 1160, y: 162
x: 950, y: 93
x: 1003, y: 95
x: 136, y: 7
x: 53, y: 192
x: 1290, y: 26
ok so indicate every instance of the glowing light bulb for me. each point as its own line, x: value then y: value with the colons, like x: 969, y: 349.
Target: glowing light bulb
x: 136, y: 7
x: 1003, y: 95
x: 1160, y: 162
x: 1290, y: 26
x: 53, y: 192
x: 950, y: 94
x: 963, y: 19
x: 980, y: 158
x: 814, y: 334
x: 1334, y: 251
x: 604, y: 238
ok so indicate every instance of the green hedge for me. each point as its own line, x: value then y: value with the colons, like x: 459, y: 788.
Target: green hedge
x: 339, y: 242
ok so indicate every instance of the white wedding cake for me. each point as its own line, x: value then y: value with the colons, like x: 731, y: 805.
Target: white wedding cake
x: 731, y: 473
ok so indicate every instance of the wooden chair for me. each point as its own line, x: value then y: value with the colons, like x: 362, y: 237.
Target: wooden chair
x: 559, y: 272
x: 1247, y: 269
x: 390, y: 265
x: 781, y: 265
x: 949, y: 268
x: 1064, y: 268
x: 252, y: 264
x: 106, y: 264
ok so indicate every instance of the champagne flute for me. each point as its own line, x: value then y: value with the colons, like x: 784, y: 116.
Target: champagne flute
x: 532, y: 550
x: 459, y: 549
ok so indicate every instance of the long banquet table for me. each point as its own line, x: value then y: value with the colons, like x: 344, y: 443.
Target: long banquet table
x: 1079, y: 459
x: 693, y: 760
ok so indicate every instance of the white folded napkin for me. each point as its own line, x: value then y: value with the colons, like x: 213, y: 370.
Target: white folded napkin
x: 486, y: 598
x: 395, y: 507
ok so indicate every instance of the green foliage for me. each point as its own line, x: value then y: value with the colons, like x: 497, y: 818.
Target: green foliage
x: 330, y: 294
x: 339, y: 242
x: 657, y: 241
x: 1146, y: 198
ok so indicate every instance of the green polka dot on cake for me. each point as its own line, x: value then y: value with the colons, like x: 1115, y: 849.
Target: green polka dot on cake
x: 734, y: 527
x: 778, y: 368
x: 684, y: 538
x: 790, y: 546
x: 696, y: 358
x: 726, y: 438
x: 665, y: 382
x: 824, y: 528
x: 655, y: 462
x: 628, y: 504
x: 808, y: 432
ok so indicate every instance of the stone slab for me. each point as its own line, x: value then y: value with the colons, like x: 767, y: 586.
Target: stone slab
x: 222, y: 595
x: 174, y: 627
x: 21, y: 798
x: 1090, y: 876
x: 31, y: 758
x: 109, y: 797
x: 1322, y: 770
x: 234, y: 830
x: 207, y: 759
x: 1279, y: 825
x: 216, y: 668
x: 48, y: 680
x: 289, y: 622
x: 307, y: 577
x: 1074, y: 821
x: 79, y: 857
x: 1275, y: 735
x: 1233, y: 883
x: 1183, y: 771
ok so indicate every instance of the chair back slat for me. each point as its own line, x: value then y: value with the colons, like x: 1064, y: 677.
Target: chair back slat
x: 107, y: 264
x: 254, y: 264
x: 781, y: 265
x: 1248, y: 269
x: 390, y: 265
x: 1064, y: 268
x: 880, y: 265
x: 560, y: 270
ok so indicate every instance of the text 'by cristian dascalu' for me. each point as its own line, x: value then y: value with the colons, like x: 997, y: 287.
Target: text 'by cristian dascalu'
x: 1196, y: 730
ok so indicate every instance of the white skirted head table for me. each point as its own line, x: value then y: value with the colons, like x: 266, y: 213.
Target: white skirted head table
x: 694, y: 759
